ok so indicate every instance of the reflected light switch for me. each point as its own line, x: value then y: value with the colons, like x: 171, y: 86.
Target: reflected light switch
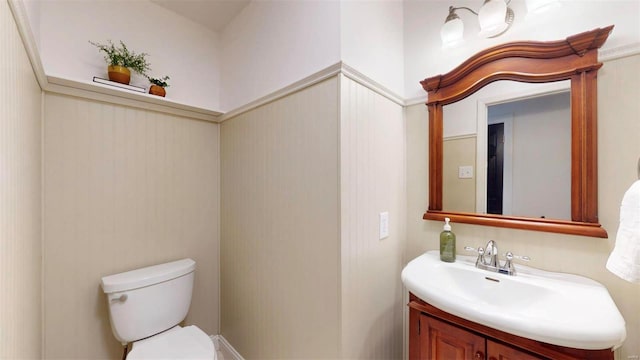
x: 465, y: 172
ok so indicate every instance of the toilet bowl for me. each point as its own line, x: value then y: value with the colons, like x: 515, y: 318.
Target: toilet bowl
x: 176, y: 343
x: 145, y: 307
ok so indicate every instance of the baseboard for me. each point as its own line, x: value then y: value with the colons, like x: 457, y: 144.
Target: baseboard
x: 223, y: 346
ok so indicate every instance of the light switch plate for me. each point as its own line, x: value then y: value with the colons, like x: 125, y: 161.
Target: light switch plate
x: 465, y: 172
x: 384, y: 225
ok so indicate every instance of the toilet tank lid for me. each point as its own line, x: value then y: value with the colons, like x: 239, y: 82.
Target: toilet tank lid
x: 150, y: 275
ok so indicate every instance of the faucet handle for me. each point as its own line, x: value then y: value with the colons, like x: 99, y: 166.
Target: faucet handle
x: 480, y: 252
x: 508, y: 267
x: 510, y: 256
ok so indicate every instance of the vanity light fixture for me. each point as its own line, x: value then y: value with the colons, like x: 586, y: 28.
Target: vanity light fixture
x: 495, y: 18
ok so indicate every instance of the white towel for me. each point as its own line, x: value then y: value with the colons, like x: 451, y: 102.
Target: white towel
x: 624, y: 260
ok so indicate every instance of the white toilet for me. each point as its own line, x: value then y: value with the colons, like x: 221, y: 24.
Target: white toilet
x: 145, y: 307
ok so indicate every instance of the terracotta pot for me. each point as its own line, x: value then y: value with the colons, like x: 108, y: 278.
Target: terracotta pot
x: 119, y: 74
x: 157, y: 90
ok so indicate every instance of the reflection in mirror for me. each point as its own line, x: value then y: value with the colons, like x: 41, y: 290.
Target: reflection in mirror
x: 507, y: 151
x: 529, y: 158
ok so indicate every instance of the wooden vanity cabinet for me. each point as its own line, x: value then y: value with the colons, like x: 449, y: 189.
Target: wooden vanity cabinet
x: 438, y: 335
x: 441, y: 340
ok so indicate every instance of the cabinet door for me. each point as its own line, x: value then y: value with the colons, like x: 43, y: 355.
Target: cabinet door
x: 442, y: 341
x: 497, y: 351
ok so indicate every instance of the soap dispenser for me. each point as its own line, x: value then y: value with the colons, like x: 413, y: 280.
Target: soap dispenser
x: 447, y: 243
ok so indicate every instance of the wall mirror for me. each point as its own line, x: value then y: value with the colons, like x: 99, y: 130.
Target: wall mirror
x: 526, y: 75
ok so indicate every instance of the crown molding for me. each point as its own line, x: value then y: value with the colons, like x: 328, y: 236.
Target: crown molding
x: 28, y: 39
x: 619, y: 51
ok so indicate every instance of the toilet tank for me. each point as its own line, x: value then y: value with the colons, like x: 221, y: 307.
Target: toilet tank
x: 149, y: 300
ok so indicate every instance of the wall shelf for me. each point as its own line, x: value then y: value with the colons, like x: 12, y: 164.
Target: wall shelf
x: 102, y: 81
x: 115, y: 95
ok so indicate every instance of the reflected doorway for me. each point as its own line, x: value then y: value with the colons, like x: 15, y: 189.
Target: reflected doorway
x: 495, y: 168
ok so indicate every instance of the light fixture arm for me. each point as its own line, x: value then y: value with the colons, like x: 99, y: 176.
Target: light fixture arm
x: 452, y: 9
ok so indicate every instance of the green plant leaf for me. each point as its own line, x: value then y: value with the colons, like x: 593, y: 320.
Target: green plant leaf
x: 122, y: 56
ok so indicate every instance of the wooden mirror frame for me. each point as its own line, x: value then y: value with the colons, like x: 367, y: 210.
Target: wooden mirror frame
x: 575, y: 59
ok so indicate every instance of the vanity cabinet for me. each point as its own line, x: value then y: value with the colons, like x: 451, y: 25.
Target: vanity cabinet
x: 438, y: 335
x: 441, y: 340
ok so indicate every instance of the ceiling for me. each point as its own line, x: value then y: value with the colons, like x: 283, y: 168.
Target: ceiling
x: 213, y: 14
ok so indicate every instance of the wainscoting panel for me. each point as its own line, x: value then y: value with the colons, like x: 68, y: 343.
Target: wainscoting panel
x: 124, y: 188
x: 20, y: 198
x: 372, y: 174
x: 280, y: 236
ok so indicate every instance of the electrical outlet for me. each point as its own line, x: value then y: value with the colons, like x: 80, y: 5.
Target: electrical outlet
x: 384, y: 224
x: 633, y: 357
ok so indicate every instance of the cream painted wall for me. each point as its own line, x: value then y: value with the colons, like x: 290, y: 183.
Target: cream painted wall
x: 187, y: 52
x: 124, y: 188
x: 290, y: 40
x: 20, y: 194
x: 618, y: 151
x: 530, y: 194
x: 459, y: 194
x: 280, y: 289
x: 372, y: 180
x: 371, y: 34
x: 272, y: 44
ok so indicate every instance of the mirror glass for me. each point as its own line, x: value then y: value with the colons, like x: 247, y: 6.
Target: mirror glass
x: 507, y: 151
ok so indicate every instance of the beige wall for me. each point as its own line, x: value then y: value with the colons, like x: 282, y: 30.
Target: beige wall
x: 618, y: 151
x: 280, y: 227
x: 20, y: 197
x: 372, y: 180
x: 304, y: 274
x: 124, y: 188
x: 459, y: 194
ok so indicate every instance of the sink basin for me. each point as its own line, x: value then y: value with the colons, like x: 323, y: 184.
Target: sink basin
x: 555, y: 308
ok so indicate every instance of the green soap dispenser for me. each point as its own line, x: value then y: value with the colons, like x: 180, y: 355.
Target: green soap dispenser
x: 447, y: 243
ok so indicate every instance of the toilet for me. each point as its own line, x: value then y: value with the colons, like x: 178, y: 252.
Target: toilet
x: 145, y: 307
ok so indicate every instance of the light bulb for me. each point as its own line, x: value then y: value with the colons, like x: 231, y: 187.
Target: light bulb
x: 452, y: 32
x: 492, y: 17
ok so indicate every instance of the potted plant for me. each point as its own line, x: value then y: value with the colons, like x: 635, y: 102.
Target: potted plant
x: 121, y: 61
x: 158, y: 85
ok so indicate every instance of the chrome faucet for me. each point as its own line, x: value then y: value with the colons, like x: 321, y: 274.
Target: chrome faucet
x: 488, y: 259
x: 491, y: 251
